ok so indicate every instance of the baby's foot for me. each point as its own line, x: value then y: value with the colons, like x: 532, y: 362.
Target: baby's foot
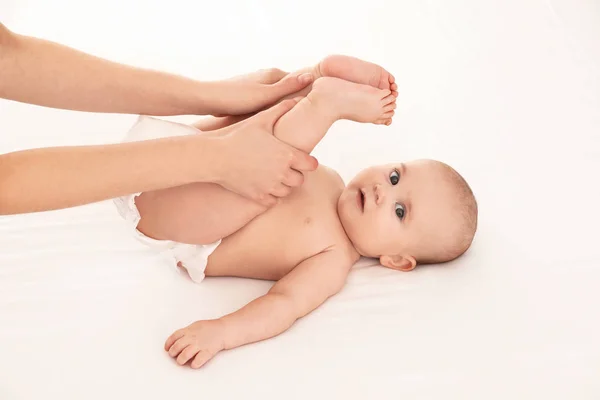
x: 357, y: 71
x: 341, y: 99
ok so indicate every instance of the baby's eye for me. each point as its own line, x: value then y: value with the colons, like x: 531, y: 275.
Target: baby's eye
x: 395, y: 177
x: 399, y: 211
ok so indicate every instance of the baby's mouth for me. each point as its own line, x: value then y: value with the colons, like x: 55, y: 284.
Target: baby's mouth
x: 361, y: 200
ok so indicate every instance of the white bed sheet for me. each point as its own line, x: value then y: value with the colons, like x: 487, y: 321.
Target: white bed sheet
x: 508, y: 92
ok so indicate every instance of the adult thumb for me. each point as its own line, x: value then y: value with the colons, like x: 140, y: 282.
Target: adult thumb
x: 292, y: 83
x: 304, y: 162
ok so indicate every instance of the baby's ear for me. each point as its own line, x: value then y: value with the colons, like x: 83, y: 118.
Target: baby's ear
x: 399, y: 262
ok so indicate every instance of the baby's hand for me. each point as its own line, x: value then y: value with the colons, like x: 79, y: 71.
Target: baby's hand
x: 198, y: 342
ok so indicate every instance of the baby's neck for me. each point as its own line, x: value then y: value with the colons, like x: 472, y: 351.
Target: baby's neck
x: 358, y: 252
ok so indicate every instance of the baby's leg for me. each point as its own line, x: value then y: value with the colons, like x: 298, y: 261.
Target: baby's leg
x: 332, y: 99
x: 202, y: 213
x: 197, y: 213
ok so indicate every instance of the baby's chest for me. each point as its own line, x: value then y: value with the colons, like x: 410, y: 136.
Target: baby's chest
x: 275, y: 242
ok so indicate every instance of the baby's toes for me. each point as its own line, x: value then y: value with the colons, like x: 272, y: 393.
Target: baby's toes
x: 389, y: 99
x: 391, y: 82
x: 385, y: 117
x: 389, y: 107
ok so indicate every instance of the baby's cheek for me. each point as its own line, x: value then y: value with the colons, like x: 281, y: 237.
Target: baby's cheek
x: 391, y: 232
x: 376, y: 231
x: 385, y: 223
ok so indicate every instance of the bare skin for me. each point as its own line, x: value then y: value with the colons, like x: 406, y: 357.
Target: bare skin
x: 351, y: 69
x: 310, y: 240
x: 30, y: 67
x: 337, y: 66
x: 300, y: 242
x: 175, y: 213
x: 45, y: 73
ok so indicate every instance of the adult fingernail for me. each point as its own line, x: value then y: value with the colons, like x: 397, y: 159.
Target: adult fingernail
x: 305, y: 78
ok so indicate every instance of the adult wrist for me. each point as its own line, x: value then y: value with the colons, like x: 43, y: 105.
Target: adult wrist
x: 207, y: 159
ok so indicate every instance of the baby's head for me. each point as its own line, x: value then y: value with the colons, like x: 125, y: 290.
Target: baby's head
x: 420, y: 212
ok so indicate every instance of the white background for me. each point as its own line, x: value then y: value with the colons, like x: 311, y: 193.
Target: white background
x: 508, y: 92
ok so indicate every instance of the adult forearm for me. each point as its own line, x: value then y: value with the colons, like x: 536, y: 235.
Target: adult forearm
x: 61, y: 177
x: 263, y: 318
x: 45, y: 73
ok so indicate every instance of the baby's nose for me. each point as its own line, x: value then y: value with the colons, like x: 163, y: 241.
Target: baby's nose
x: 379, y: 195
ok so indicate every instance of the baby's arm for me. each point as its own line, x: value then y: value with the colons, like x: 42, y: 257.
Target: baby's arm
x: 301, y: 291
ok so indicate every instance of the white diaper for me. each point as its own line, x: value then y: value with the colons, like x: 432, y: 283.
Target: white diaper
x: 192, y: 257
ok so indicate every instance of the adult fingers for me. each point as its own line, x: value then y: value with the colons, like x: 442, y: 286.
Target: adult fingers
x: 271, y: 75
x: 293, y: 179
x: 281, y: 190
x: 291, y: 83
x: 267, y: 200
x: 303, y: 162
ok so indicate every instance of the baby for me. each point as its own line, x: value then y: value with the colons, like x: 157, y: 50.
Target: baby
x: 403, y: 214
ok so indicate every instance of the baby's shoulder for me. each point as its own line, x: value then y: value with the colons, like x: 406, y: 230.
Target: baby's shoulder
x: 326, y: 182
x: 330, y: 175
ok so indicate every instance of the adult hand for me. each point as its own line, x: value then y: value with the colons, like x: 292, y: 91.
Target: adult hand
x: 257, y: 165
x: 256, y: 91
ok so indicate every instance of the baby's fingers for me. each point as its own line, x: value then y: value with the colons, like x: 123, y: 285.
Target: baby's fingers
x: 187, y: 354
x: 179, y: 345
x: 173, y: 338
x: 201, y: 358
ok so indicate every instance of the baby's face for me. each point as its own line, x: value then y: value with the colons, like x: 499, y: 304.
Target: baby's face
x: 397, y: 209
